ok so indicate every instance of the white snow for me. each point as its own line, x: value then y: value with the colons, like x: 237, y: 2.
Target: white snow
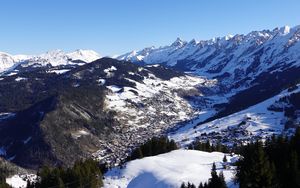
x: 109, y: 71
x: 54, y: 58
x: 6, y: 115
x: 169, y: 170
x: 20, y: 181
x: 114, y: 88
x: 16, y: 182
x: 80, y: 133
x: 12, y: 74
x: 20, y: 79
x: 6, y: 61
x: 101, y: 81
x: 84, y: 55
x: 61, y: 71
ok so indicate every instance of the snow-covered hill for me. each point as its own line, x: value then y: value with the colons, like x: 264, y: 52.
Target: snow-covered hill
x: 53, y: 58
x: 256, y: 122
x: 169, y: 170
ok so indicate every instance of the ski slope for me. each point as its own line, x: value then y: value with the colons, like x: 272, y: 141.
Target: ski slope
x: 169, y: 170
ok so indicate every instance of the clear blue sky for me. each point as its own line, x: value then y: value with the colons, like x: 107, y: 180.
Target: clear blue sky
x: 117, y: 26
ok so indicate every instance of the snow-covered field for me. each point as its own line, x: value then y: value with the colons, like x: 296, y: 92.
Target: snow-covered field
x: 170, y: 170
x: 20, y: 181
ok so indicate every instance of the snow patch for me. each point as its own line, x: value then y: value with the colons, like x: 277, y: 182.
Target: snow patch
x: 20, y: 181
x: 101, y: 81
x: 20, y: 79
x: 61, y: 71
x: 79, y: 134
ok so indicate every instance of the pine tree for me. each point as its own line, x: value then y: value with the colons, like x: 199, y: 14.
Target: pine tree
x: 214, y: 180
x: 254, y: 169
x: 222, y: 180
x: 293, y: 172
x: 200, y: 185
x: 207, y: 146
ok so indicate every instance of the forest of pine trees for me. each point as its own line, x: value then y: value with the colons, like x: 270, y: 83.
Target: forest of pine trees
x: 216, y: 181
x: 83, y: 174
x: 208, y: 147
x: 154, y: 146
x: 274, y: 164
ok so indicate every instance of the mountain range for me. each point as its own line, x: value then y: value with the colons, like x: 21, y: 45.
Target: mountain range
x: 57, y: 107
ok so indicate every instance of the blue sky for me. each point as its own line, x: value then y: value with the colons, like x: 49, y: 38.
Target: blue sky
x: 118, y: 26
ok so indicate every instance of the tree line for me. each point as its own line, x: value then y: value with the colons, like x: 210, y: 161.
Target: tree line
x: 154, y: 146
x: 275, y: 163
x: 83, y: 174
x: 209, y: 147
x: 216, y: 181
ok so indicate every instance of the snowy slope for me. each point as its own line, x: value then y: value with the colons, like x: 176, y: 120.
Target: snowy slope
x: 157, y: 96
x: 20, y: 180
x: 54, y: 58
x: 257, y: 121
x: 59, y: 57
x: 6, y: 61
x: 84, y: 55
x: 169, y: 170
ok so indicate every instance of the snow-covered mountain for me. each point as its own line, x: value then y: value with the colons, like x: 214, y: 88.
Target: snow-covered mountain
x: 53, y: 58
x: 6, y: 61
x: 229, y: 58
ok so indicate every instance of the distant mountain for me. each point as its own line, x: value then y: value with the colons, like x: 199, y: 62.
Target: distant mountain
x: 6, y: 61
x: 52, y: 58
x: 230, y: 59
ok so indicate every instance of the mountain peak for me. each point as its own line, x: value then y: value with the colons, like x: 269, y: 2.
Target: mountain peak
x: 193, y: 42
x: 178, y: 42
x: 284, y: 30
x: 84, y: 55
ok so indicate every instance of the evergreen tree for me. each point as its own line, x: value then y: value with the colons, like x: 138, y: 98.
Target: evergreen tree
x: 222, y: 180
x: 254, y: 169
x: 201, y: 185
x: 152, y: 147
x: 83, y: 174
